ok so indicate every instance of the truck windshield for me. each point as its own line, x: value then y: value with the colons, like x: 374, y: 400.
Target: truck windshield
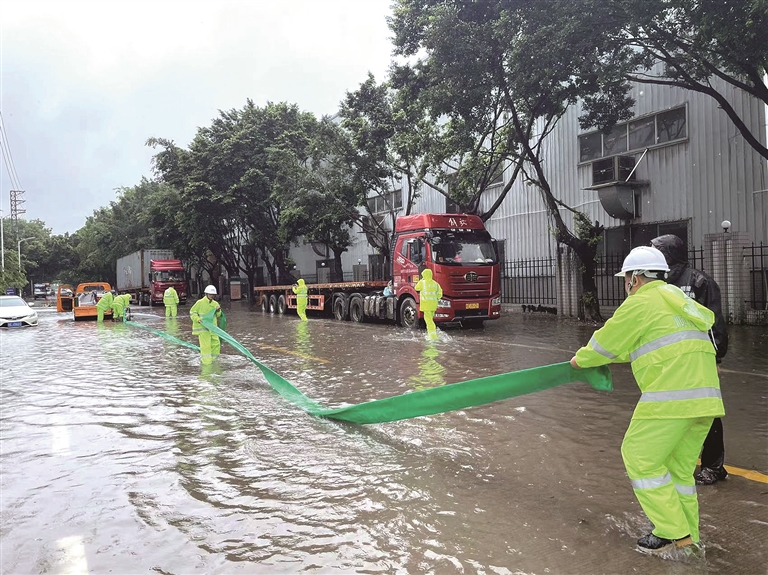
x: 169, y: 276
x: 457, y: 248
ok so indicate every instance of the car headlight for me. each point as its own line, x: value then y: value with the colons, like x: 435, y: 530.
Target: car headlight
x: 496, y: 301
x: 443, y: 303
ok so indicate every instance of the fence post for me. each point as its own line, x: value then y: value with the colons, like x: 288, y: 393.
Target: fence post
x: 725, y: 252
x: 569, y: 288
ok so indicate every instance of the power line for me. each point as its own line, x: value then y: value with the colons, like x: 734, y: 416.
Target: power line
x: 9, y: 165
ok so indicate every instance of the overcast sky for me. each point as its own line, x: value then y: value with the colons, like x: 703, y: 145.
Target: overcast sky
x: 83, y: 84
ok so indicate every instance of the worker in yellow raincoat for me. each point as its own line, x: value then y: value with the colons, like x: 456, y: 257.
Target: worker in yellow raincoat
x: 430, y: 293
x: 210, y: 344
x: 171, y: 301
x: 301, y: 299
x: 105, y: 303
x: 663, y: 333
x: 119, y: 305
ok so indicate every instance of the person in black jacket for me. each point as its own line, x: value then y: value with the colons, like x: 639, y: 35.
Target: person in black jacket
x: 702, y: 288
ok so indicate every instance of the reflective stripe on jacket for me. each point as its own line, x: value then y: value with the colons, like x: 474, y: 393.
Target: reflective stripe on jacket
x: 202, y: 307
x: 663, y: 333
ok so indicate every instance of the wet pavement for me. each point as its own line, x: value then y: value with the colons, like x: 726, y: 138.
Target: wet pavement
x: 121, y: 454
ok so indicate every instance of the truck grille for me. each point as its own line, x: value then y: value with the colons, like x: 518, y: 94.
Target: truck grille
x: 461, y: 286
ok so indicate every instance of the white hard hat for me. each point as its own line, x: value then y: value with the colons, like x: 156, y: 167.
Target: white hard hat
x: 643, y: 259
x: 210, y: 290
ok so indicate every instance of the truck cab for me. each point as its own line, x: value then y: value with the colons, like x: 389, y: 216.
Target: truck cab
x: 463, y: 259
x: 164, y: 274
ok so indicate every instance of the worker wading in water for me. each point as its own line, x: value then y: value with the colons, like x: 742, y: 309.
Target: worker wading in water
x: 171, y: 301
x: 430, y: 293
x: 300, y: 289
x: 210, y: 344
x: 104, y: 304
x: 119, y: 305
x: 664, y: 334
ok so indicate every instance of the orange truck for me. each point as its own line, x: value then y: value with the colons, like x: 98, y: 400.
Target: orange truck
x: 456, y: 247
x: 82, y: 300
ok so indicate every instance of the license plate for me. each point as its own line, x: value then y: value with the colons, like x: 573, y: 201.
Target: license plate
x: 473, y: 306
x: 14, y: 324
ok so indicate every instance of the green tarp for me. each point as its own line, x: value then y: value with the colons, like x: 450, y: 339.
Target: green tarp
x: 428, y: 401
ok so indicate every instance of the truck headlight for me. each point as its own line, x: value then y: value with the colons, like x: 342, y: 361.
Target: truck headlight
x: 443, y: 303
x: 496, y: 301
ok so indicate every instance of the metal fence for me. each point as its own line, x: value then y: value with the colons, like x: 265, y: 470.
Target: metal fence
x: 756, y: 261
x: 534, y: 281
x: 531, y: 281
x: 610, y: 289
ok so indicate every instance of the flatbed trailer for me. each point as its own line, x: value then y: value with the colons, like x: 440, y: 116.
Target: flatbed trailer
x: 458, y: 250
x: 335, y: 297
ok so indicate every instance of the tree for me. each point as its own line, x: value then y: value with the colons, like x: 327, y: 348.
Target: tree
x: 697, y: 41
x: 320, y: 194
x: 233, y: 182
x: 537, y: 58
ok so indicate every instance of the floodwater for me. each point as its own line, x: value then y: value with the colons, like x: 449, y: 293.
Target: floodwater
x: 122, y: 454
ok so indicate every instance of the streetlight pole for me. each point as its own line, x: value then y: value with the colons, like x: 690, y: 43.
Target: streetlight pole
x: 19, y: 246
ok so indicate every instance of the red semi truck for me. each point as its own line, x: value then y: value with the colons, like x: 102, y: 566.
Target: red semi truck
x: 146, y: 274
x: 456, y: 247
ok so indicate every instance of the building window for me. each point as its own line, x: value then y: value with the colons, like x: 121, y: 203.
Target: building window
x: 663, y: 128
x: 498, y: 180
x: 386, y: 202
x: 620, y: 240
x: 615, y: 142
x: 671, y: 126
x: 642, y: 133
x: 590, y: 146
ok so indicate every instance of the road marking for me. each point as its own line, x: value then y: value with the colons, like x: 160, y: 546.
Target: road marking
x: 294, y: 353
x: 74, y: 561
x: 747, y: 473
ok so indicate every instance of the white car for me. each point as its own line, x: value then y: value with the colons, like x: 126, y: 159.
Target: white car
x: 15, y: 312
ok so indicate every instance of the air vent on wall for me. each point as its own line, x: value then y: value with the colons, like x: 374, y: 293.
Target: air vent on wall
x: 612, y: 169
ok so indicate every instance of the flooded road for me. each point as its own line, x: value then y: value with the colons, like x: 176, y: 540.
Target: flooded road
x: 122, y: 454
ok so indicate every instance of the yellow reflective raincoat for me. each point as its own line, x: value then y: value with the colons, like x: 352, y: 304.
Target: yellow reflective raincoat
x: 104, y: 304
x: 171, y: 301
x: 301, y: 299
x: 430, y: 292
x: 210, y: 344
x: 663, y: 333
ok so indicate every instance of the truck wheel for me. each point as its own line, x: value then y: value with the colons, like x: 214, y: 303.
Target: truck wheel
x: 264, y: 304
x: 281, y: 305
x: 356, y: 311
x: 409, y: 315
x: 339, y: 309
x: 272, y: 303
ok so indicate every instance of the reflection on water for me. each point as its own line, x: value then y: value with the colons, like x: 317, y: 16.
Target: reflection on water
x: 121, y: 453
x: 431, y: 372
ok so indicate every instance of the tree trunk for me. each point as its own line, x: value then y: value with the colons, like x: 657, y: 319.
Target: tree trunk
x: 590, y: 308
x: 338, y: 272
x: 250, y: 273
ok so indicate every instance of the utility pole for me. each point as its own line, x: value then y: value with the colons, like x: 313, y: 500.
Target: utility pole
x: 17, y: 203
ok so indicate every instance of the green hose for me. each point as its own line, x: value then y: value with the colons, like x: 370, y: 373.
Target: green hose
x: 425, y: 402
